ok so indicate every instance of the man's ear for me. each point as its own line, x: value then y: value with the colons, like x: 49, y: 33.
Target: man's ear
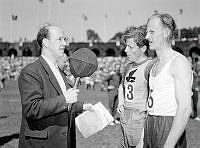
x: 166, y: 32
x: 45, y: 42
x: 144, y: 48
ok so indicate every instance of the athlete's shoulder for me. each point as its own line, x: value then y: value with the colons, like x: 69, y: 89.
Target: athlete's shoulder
x: 180, y: 58
x: 180, y: 65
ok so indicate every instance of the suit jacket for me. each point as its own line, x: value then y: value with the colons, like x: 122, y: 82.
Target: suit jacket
x: 46, y: 121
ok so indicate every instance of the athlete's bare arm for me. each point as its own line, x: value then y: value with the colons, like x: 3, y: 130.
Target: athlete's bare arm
x: 181, y: 71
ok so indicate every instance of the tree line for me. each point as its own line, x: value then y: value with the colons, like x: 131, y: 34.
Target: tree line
x: 185, y: 33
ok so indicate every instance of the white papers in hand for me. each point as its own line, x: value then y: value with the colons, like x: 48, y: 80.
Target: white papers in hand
x: 90, y: 122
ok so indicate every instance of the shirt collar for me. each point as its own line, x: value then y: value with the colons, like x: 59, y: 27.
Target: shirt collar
x: 49, y: 62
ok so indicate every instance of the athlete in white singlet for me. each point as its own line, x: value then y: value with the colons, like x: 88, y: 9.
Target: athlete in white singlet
x: 162, y: 100
x: 169, y: 102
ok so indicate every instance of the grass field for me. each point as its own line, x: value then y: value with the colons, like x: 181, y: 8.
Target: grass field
x: 10, y: 118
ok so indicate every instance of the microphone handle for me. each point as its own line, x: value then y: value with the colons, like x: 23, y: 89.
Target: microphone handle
x: 76, y: 82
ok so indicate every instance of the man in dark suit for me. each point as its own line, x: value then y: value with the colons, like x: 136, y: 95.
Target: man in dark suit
x: 49, y: 103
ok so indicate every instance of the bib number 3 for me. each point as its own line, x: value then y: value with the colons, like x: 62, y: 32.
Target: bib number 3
x: 130, y: 92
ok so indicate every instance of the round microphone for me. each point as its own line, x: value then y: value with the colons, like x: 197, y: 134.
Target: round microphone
x: 82, y: 63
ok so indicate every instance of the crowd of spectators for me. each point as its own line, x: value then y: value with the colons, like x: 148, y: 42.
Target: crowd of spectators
x: 10, y: 67
x: 194, y: 59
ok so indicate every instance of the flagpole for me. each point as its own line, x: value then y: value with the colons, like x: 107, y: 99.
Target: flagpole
x: 82, y: 24
x: 57, y: 17
x: 84, y: 19
x: 179, y: 27
x: 10, y: 28
x: 105, y: 27
x: 15, y: 27
x: 49, y: 10
x: 129, y: 18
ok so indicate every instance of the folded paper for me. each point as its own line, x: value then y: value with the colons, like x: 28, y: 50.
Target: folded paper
x: 90, y: 122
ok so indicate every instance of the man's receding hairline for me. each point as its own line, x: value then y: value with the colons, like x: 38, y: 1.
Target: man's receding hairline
x: 53, y: 29
x: 156, y: 17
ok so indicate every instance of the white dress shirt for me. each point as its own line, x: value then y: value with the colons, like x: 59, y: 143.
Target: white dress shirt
x: 54, y: 68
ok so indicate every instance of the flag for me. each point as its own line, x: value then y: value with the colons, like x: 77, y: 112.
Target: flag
x: 14, y: 17
x: 84, y: 17
x: 181, y: 11
x: 41, y: 1
x: 62, y: 1
x: 129, y: 12
x: 155, y: 11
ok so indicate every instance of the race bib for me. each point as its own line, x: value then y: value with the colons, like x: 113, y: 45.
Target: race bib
x: 129, y: 92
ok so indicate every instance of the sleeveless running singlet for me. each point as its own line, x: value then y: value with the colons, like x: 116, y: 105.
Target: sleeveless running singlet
x: 161, y: 100
x: 135, y: 86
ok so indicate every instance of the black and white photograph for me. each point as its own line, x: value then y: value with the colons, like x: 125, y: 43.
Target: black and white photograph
x: 99, y: 74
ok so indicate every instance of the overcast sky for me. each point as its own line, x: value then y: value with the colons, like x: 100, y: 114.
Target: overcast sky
x: 105, y: 17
